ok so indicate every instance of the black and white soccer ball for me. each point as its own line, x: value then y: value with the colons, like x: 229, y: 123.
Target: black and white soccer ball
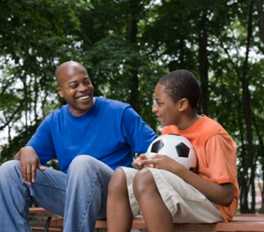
x: 176, y: 147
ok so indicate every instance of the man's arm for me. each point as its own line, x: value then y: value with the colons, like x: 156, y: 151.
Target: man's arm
x: 41, y: 142
x: 39, y: 147
x: 29, y: 162
x: 136, y: 131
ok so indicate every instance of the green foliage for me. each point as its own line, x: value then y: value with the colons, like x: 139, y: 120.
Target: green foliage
x: 126, y: 46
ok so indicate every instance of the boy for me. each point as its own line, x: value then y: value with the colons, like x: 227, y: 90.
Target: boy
x: 164, y: 191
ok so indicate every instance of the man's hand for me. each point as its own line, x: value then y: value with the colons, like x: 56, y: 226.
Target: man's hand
x: 29, y: 162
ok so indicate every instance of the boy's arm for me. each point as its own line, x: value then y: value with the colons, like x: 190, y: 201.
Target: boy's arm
x: 221, y: 194
x: 221, y: 170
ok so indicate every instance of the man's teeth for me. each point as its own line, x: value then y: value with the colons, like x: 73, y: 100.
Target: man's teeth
x: 84, y: 98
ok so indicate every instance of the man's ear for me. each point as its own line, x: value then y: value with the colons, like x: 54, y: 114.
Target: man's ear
x: 183, y: 104
x: 60, y: 92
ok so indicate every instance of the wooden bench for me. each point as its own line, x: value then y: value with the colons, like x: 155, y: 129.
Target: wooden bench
x: 240, y: 223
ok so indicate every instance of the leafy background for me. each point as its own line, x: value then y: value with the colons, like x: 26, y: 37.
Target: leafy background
x: 126, y: 46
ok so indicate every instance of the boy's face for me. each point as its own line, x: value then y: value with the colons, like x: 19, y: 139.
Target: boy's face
x: 167, y: 111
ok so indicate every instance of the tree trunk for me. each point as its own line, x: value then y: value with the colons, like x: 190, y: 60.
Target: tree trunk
x: 36, y: 95
x: 261, y: 158
x: 243, y: 172
x: 243, y: 182
x: 132, y: 30
x: 260, y: 10
x: 203, y: 61
x: 26, y: 100
x: 246, y: 106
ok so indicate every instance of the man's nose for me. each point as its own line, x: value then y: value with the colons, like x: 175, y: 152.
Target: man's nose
x: 82, y: 87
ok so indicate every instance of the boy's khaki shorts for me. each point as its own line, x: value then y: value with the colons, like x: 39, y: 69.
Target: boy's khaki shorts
x: 185, y: 203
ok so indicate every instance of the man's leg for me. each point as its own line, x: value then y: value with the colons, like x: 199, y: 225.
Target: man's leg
x: 14, y: 199
x: 86, y: 193
x: 119, y: 215
x: 49, y: 189
x: 15, y: 196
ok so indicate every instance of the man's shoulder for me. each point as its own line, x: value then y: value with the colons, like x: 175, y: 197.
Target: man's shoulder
x: 57, y: 113
x: 112, y: 104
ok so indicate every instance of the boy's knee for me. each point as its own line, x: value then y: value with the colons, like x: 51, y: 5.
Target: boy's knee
x: 117, y: 183
x: 143, y: 183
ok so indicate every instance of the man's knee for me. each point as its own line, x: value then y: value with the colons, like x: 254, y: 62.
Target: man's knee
x: 143, y: 183
x: 117, y: 183
x: 10, y: 170
x: 85, y: 168
x: 81, y: 163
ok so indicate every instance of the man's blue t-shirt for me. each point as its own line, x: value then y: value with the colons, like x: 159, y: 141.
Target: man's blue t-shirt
x: 111, y: 132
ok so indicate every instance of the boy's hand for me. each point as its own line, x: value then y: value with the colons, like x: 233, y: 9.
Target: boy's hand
x: 164, y: 162
x: 137, y: 163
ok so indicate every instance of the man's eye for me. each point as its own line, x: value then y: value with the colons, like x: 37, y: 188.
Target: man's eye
x: 86, y: 82
x: 73, y: 85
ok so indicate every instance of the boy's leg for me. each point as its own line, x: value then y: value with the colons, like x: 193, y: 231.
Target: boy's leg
x: 183, y: 202
x: 119, y: 216
x: 86, y: 192
x: 156, y: 215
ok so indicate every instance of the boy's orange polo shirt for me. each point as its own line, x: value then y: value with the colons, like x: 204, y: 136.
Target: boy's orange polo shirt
x: 216, y: 155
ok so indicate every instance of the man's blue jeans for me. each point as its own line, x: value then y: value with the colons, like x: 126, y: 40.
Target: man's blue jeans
x: 79, y: 195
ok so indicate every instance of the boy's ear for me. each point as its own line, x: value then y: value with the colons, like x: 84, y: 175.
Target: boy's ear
x: 183, y: 104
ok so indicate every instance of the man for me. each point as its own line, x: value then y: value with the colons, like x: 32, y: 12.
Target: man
x: 90, y: 136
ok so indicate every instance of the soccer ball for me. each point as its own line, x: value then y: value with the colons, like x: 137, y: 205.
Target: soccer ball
x: 176, y: 147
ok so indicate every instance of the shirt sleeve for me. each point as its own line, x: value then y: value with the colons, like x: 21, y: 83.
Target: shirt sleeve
x: 221, y: 158
x: 136, y: 132
x: 41, y: 141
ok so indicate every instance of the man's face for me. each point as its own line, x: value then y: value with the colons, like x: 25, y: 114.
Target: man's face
x: 165, y: 109
x: 76, y: 88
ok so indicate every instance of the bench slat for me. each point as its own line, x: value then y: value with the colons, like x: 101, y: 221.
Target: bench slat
x: 240, y: 223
